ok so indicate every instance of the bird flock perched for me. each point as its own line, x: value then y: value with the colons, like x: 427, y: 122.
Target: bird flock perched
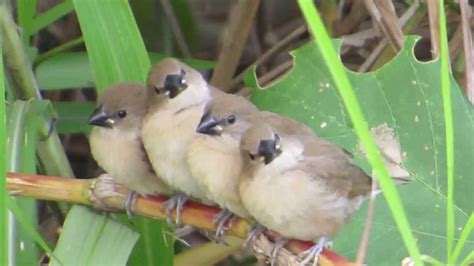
x: 179, y: 135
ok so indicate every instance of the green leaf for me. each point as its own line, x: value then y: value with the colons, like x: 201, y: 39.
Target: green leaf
x: 3, y: 170
x: 25, y: 127
x: 117, y: 53
x: 66, y: 70
x: 113, y: 42
x: 88, y: 238
x: 51, y: 15
x: 405, y: 94
x: 73, y: 116
x: 31, y: 24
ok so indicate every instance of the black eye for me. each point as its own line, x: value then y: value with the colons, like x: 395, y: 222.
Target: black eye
x: 251, y: 157
x: 122, y: 113
x: 231, y: 119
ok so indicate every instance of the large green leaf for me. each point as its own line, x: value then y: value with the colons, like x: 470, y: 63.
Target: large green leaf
x: 405, y: 94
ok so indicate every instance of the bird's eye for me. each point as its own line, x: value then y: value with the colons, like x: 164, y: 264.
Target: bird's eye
x: 252, y: 157
x: 231, y: 119
x: 122, y: 113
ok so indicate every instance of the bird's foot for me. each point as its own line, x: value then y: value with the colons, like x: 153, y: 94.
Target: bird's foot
x: 255, y: 231
x: 176, y: 202
x: 223, y: 220
x: 276, y: 248
x: 130, y: 203
x: 313, y: 253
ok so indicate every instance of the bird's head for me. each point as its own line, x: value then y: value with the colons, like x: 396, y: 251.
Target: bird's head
x: 120, y: 106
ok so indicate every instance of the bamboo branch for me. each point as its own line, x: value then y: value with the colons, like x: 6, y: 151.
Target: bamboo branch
x: 104, y: 194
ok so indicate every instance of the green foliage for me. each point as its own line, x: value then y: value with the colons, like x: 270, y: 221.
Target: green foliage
x: 448, y: 119
x: 3, y: 164
x: 405, y: 94
x: 113, y: 42
x: 32, y: 23
x: 96, y: 240
x: 72, y: 116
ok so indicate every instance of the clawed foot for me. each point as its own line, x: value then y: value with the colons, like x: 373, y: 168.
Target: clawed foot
x: 313, y: 253
x: 176, y: 202
x: 255, y: 231
x: 130, y: 203
x: 276, y: 248
x: 223, y: 220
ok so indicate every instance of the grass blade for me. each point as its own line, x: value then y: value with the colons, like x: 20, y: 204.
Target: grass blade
x: 114, y: 45
x: 3, y: 170
x: 26, y: 10
x: 448, y: 119
x: 53, y: 14
x: 463, y: 238
x: 354, y: 110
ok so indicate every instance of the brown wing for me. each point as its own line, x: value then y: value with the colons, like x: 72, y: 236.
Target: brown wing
x: 339, y: 173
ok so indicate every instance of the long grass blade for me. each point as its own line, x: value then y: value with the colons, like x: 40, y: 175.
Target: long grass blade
x: 50, y: 16
x: 448, y: 120
x: 353, y: 108
x: 3, y: 164
x: 463, y: 238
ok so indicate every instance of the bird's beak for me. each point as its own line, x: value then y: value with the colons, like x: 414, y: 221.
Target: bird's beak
x: 209, y: 125
x: 175, y: 84
x: 100, y: 118
x: 269, y: 149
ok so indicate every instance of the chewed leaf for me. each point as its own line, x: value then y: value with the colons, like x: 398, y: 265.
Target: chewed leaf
x: 405, y: 97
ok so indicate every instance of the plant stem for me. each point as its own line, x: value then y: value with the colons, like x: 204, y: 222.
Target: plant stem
x: 24, y: 87
x: 105, y: 195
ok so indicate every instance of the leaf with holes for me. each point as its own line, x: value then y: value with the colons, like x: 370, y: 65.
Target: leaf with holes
x: 403, y: 96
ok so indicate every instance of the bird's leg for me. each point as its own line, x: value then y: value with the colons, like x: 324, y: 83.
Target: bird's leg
x: 314, y: 252
x: 255, y: 231
x: 176, y: 202
x: 130, y: 203
x: 220, y: 220
x: 276, y: 248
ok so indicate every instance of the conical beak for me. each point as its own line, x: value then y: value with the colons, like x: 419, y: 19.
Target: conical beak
x: 209, y: 125
x: 269, y: 149
x: 100, y: 118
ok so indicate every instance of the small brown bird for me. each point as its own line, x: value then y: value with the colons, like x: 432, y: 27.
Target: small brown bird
x: 214, y: 157
x: 177, y: 95
x: 115, y: 139
x: 298, y: 184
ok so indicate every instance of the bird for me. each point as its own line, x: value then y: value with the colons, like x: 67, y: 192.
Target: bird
x: 115, y: 140
x: 214, y: 157
x: 297, y: 184
x: 176, y: 96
